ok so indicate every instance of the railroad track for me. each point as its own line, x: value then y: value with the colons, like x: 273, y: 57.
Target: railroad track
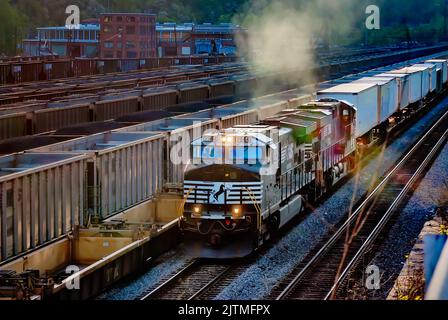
x: 192, y: 281
x: 200, y: 279
x: 325, y: 269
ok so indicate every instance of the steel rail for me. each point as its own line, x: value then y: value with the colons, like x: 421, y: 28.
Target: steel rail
x: 211, y: 283
x: 326, y: 247
x: 374, y: 234
x: 173, y: 278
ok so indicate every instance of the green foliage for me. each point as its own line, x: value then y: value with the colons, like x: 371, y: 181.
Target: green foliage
x: 401, y: 20
x: 10, y: 25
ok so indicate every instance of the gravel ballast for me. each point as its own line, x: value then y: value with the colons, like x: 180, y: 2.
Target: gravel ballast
x: 165, y: 266
x: 403, y: 234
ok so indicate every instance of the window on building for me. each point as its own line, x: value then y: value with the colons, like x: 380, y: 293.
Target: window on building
x: 119, y: 54
x: 130, y: 30
x: 131, y: 54
x: 108, y: 44
x: 107, y: 19
x: 119, y: 45
x: 119, y: 19
x: 130, y: 45
x: 108, y: 54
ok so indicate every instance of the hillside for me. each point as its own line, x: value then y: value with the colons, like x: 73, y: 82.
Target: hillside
x: 20, y: 17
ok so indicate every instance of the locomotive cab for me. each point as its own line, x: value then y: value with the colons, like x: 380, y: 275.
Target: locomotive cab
x: 224, y: 190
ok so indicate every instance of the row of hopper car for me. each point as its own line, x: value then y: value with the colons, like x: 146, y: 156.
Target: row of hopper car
x: 27, y: 69
x: 50, y: 188
x: 75, y: 103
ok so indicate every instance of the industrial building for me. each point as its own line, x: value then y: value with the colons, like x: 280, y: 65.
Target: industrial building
x: 82, y: 42
x: 126, y: 35
x: 123, y: 35
x: 189, y: 38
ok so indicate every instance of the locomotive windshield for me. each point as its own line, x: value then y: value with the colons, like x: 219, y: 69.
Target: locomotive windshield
x: 229, y: 150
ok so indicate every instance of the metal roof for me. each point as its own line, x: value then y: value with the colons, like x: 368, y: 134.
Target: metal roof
x: 127, y: 14
x: 91, y: 27
x: 205, y: 27
x: 349, y: 88
x: 393, y: 75
x: 409, y: 70
x: 377, y: 80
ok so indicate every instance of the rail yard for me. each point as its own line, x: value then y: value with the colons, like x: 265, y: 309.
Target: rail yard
x: 223, y: 159
x: 92, y: 193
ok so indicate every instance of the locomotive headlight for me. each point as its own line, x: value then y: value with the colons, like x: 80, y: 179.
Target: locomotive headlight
x: 227, y: 140
x: 197, y: 210
x: 236, y: 212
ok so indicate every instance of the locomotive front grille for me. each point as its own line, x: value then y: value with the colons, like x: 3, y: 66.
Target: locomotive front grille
x: 203, y: 192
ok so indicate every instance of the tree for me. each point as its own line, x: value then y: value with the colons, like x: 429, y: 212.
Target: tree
x: 10, y: 27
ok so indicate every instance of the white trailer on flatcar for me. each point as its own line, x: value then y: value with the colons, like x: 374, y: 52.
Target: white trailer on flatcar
x: 364, y: 96
x: 403, y: 87
x: 416, y: 87
x: 387, y: 93
x: 441, y: 64
x: 432, y: 70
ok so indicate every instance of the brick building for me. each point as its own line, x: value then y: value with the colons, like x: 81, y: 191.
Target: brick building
x: 189, y: 38
x: 127, y: 35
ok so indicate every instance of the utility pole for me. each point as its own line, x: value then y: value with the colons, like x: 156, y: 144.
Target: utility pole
x: 39, y: 44
x: 175, y: 37
x: 15, y: 40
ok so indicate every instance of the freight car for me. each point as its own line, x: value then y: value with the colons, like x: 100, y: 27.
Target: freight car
x: 28, y: 71
x: 75, y: 109
x: 58, y: 88
x: 246, y: 182
x: 100, y: 193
